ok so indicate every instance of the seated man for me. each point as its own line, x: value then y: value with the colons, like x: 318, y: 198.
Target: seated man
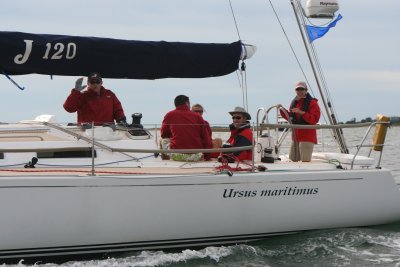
x: 96, y: 104
x: 217, y: 142
x: 185, y: 128
x: 241, y: 135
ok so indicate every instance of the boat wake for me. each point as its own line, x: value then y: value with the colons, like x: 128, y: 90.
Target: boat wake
x: 211, y: 254
x: 337, y: 247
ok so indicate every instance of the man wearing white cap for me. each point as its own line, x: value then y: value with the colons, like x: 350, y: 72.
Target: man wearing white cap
x: 305, y: 110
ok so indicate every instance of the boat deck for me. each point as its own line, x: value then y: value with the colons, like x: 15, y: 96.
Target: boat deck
x: 67, y: 151
x: 166, y: 168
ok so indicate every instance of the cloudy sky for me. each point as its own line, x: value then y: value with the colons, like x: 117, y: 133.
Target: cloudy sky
x: 359, y: 56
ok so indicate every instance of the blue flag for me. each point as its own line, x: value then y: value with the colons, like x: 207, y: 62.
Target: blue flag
x: 315, y: 32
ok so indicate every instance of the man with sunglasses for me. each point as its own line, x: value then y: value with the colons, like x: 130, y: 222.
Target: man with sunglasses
x: 96, y: 104
x: 241, y: 135
x: 304, y: 110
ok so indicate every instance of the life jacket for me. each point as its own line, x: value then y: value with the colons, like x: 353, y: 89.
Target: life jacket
x: 243, y: 136
x: 304, y: 107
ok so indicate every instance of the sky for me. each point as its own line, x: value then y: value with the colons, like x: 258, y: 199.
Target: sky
x: 359, y: 57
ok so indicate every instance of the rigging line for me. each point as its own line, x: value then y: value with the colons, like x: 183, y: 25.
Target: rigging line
x: 247, y: 100
x: 320, y: 70
x: 238, y: 78
x: 325, y: 85
x: 14, y: 82
x: 337, y: 133
x: 234, y: 20
x: 243, y: 79
x: 299, y: 10
x: 323, y: 80
x: 303, y: 21
x: 291, y: 46
x: 243, y: 82
x: 246, y: 106
x: 327, y: 92
x: 243, y: 89
x: 317, y: 64
x: 294, y: 54
x: 312, y: 48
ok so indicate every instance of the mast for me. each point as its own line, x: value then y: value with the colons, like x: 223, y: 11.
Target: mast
x: 319, y: 77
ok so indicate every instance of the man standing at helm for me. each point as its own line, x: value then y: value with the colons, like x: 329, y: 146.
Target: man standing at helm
x: 305, y: 110
x: 96, y: 104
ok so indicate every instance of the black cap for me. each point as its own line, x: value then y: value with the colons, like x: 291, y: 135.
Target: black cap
x: 94, y: 76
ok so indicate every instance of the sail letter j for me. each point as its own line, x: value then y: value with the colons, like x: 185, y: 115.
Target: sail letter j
x: 21, y: 59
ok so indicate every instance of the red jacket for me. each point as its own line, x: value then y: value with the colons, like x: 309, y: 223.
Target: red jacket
x: 103, y: 108
x: 208, y: 128
x: 310, y: 117
x: 209, y: 131
x: 242, y: 137
x: 186, y: 129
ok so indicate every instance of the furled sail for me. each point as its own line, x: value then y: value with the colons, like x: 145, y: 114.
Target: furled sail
x: 25, y: 53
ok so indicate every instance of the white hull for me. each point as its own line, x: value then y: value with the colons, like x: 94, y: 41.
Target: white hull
x: 137, y: 201
x: 68, y: 214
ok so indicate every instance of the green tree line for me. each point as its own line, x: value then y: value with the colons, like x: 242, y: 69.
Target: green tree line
x: 393, y: 120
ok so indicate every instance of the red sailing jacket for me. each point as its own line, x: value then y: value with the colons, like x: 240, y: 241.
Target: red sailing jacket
x: 103, y: 108
x: 209, y: 131
x: 311, y: 117
x: 186, y: 129
x: 242, y: 137
x: 208, y: 128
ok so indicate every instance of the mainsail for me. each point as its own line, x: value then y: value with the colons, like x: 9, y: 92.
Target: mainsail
x: 25, y: 53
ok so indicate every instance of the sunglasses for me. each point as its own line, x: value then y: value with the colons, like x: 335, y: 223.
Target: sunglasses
x: 198, y: 111
x: 95, y: 82
x: 237, y: 117
x: 300, y: 89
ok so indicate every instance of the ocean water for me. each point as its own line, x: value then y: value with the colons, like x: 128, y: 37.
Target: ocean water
x: 366, y: 246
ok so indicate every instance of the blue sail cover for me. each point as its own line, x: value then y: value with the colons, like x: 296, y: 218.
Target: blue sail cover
x: 25, y: 53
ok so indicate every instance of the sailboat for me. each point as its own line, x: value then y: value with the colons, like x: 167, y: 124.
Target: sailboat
x: 66, y: 190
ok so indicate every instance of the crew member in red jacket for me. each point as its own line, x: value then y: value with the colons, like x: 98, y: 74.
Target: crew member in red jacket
x: 217, y: 142
x: 185, y: 129
x: 241, y: 134
x: 305, y: 110
x: 96, y: 104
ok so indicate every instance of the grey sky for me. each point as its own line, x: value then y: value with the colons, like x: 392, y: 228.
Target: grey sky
x: 359, y: 56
